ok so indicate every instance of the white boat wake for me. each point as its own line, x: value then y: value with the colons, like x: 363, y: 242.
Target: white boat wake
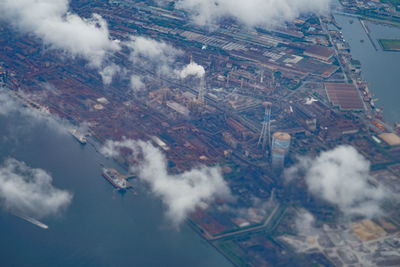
x: 32, y: 220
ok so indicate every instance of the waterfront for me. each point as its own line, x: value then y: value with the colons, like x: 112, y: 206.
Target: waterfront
x: 379, y: 68
x: 213, y: 118
x: 101, y: 227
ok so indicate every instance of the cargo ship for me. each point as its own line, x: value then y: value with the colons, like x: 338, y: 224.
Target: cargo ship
x: 79, y: 137
x: 115, y: 179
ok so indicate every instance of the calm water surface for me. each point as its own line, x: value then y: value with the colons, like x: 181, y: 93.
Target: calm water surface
x: 101, y: 227
x: 381, y: 69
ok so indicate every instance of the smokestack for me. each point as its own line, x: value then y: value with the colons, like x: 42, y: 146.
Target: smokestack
x: 202, y: 89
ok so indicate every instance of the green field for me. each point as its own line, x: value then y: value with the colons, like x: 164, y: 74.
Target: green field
x: 390, y: 44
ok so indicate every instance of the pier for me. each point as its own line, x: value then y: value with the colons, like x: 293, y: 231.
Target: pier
x: 368, y: 34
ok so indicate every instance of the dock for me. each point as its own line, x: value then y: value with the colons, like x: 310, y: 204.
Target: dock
x: 368, y: 34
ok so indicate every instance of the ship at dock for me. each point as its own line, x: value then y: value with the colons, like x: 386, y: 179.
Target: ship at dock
x: 116, y: 179
x: 79, y: 137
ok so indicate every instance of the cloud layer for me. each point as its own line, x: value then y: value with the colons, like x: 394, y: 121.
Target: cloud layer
x: 89, y: 38
x: 51, y: 21
x: 29, y: 191
x: 341, y: 176
x: 181, y: 193
x: 250, y: 12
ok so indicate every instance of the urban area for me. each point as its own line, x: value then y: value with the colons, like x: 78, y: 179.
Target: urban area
x: 260, y: 101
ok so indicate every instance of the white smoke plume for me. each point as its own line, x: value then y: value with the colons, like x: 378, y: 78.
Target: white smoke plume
x: 251, y: 12
x: 181, y: 193
x: 341, y: 176
x: 192, y: 69
x: 52, y: 22
x: 29, y: 191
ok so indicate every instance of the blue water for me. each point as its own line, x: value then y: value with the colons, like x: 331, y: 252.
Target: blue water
x: 101, y: 227
x: 379, y: 68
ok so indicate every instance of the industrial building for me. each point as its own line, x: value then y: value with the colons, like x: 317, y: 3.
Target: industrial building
x: 344, y: 95
x: 319, y: 52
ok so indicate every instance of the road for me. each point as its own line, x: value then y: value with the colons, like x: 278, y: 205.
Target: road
x: 334, y: 47
x: 251, y: 229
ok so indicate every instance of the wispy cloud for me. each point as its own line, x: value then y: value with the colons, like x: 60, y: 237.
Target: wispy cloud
x: 29, y: 191
x: 136, y: 83
x: 305, y: 223
x: 181, y: 193
x: 109, y: 72
x: 29, y: 117
x: 153, y: 54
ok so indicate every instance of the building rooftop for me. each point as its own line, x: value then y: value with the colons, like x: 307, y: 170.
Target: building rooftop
x: 319, y: 51
x: 390, y: 139
x: 281, y: 136
x: 344, y: 95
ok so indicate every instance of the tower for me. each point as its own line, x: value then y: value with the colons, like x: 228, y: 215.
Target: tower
x: 265, y: 135
x: 164, y: 96
x: 200, y: 97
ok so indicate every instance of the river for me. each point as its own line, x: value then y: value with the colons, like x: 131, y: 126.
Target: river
x: 379, y: 68
x: 101, y: 227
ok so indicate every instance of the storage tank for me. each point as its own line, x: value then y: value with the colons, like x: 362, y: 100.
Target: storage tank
x: 280, y: 148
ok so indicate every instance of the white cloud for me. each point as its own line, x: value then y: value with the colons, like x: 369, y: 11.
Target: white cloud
x: 7, y: 104
x: 29, y: 191
x: 341, y: 176
x: 51, y: 21
x: 192, y: 69
x: 305, y: 223
x: 250, y: 12
x: 150, y: 48
x: 29, y: 117
x: 181, y: 193
x: 255, y: 213
x: 153, y: 53
x: 109, y: 72
x: 136, y: 83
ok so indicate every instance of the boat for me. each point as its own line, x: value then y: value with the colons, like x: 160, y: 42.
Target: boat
x: 79, y: 137
x: 115, y: 179
x: 32, y: 220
